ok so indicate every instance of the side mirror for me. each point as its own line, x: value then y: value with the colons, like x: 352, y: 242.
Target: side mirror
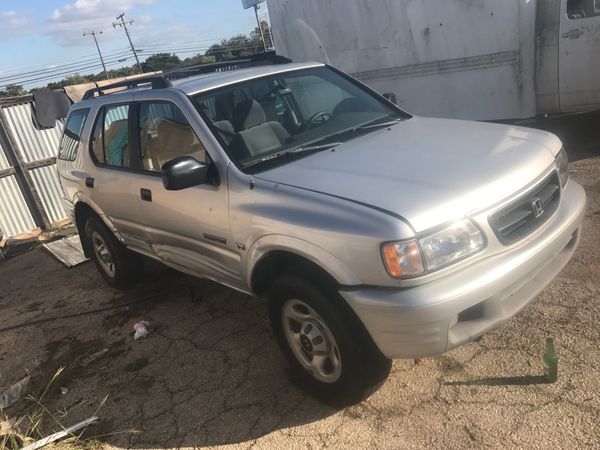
x: 183, y: 172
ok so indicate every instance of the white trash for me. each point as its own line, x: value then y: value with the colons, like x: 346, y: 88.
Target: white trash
x: 141, y: 328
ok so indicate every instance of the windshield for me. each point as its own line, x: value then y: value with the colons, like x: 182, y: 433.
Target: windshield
x: 285, y: 114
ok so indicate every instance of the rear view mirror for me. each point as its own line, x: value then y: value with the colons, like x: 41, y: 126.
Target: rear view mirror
x: 391, y: 97
x: 183, y: 172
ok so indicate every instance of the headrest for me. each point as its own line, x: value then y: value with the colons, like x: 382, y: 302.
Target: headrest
x: 224, y: 125
x: 175, y: 134
x: 249, y: 114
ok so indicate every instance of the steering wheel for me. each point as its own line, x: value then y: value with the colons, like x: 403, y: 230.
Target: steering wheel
x: 316, y: 119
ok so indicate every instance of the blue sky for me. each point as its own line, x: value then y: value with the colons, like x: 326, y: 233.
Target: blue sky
x: 37, y: 34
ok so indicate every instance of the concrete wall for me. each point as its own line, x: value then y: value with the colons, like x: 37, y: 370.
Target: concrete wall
x: 447, y: 58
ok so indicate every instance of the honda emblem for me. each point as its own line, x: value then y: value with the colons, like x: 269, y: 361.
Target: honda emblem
x: 537, y: 208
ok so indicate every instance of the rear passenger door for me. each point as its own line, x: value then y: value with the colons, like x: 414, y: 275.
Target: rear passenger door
x: 188, y: 229
x: 110, y: 181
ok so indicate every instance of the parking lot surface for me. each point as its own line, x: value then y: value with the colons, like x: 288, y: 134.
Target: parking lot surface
x: 210, y: 372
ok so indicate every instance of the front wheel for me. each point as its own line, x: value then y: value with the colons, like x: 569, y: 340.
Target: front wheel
x: 324, y: 342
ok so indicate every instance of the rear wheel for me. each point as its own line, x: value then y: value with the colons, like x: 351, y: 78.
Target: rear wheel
x: 119, y: 266
x: 324, y: 343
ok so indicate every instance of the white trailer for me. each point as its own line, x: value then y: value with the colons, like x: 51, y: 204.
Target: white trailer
x: 473, y: 59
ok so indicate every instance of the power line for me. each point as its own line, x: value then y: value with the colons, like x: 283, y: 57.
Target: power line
x: 72, y: 69
x: 123, y: 24
x: 84, y: 60
x: 25, y: 78
x: 54, y: 76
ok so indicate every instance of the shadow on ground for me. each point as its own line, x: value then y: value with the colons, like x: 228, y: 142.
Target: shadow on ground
x: 210, y: 372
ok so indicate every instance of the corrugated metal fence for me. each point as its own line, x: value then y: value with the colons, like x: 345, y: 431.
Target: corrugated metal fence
x: 30, y: 194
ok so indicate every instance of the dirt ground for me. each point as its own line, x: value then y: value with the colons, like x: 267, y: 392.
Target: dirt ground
x: 210, y: 374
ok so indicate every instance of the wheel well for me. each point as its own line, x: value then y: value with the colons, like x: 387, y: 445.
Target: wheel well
x: 278, y: 262
x: 82, y: 213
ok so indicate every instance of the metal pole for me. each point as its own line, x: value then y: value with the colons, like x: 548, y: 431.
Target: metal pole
x: 124, y: 25
x: 93, y: 34
x: 262, y: 36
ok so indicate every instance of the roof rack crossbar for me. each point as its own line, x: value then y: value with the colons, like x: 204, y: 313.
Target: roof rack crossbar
x: 156, y: 81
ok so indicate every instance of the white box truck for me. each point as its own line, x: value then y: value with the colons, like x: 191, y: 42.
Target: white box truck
x: 471, y: 59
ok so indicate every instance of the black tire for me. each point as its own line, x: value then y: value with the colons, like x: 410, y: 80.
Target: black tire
x: 127, y: 266
x: 363, y: 367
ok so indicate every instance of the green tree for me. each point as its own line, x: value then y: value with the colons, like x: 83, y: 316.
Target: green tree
x: 71, y: 80
x: 14, y: 90
x: 199, y: 59
x: 161, y: 61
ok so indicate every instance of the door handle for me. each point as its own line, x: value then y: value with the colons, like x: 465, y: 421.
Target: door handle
x: 146, y: 195
x: 89, y: 182
x: 573, y: 34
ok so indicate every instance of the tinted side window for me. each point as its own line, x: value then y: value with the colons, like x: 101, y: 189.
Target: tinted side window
x: 581, y: 9
x: 166, y: 134
x: 98, y: 139
x: 72, y: 135
x: 110, y: 142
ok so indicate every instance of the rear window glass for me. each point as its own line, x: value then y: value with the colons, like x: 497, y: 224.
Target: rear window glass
x: 72, y: 135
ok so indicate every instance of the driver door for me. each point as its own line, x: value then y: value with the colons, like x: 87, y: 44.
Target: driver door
x: 188, y: 229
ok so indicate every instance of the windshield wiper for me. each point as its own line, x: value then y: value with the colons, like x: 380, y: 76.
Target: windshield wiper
x: 310, y: 148
x: 296, y: 151
x: 377, y: 125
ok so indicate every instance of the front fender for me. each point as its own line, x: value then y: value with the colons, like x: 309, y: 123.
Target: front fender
x: 279, y: 242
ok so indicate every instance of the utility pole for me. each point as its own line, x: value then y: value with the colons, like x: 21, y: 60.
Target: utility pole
x: 123, y: 24
x: 262, y: 36
x: 93, y: 34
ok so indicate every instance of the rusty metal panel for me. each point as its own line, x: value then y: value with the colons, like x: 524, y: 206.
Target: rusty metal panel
x: 46, y: 183
x: 15, y: 217
x: 32, y: 144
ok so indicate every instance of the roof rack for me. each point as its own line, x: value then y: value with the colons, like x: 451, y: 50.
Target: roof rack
x: 162, y: 81
x: 261, y: 59
x: 157, y: 82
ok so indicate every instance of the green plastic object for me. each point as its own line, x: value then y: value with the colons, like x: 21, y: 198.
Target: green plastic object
x: 550, y: 361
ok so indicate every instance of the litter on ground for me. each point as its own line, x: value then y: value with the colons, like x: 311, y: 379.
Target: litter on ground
x: 14, y: 393
x: 141, y: 328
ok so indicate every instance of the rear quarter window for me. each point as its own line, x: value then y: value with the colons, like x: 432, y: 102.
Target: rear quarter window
x: 69, y: 144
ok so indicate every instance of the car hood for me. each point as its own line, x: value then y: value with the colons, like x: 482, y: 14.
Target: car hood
x: 429, y: 171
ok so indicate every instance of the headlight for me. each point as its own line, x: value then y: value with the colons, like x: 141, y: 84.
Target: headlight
x: 416, y: 257
x: 562, y: 165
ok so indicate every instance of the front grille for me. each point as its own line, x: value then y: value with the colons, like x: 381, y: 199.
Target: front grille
x: 522, y: 217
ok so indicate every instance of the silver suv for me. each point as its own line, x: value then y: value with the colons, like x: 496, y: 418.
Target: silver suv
x: 374, y: 234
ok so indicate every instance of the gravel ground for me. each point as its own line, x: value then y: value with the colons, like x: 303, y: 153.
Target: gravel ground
x: 210, y: 374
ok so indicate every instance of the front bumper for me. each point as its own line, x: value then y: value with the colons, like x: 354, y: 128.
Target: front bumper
x: 440, y: 315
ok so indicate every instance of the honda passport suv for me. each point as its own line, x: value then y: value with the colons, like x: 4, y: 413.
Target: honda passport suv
x: 373, y: 234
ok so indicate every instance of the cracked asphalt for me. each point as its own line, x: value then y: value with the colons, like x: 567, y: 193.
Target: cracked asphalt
x: 210, y: 373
